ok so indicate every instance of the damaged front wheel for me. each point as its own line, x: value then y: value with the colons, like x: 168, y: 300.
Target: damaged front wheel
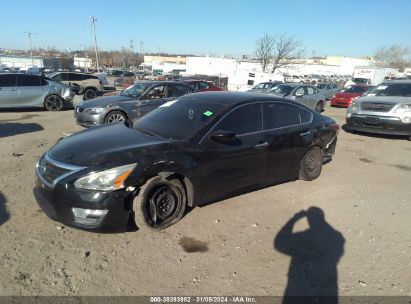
x: 160, y: 203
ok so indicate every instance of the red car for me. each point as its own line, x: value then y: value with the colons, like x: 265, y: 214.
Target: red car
x: 344, y: 98
x: 202, y: 85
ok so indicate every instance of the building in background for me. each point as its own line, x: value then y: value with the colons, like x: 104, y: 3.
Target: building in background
x: 21, y: 62
x: 84, y: 63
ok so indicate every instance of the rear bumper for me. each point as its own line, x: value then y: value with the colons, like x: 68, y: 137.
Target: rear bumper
x: 378, y: 124
x: 344, y: 103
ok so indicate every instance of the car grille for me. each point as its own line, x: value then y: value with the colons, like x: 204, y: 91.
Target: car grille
x: 377, y: 106
x: 50, y: 172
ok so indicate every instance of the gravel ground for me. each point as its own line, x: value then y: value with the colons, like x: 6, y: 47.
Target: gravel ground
x: 235, y: 246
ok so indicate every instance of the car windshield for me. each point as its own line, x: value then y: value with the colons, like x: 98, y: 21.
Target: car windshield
x: 179, y: 118
x: 394, y: 89
x: 354, y: 89
x: 135, y: 90
x: 282, y: 89
x: 360, y: 80
x: 321, y: 86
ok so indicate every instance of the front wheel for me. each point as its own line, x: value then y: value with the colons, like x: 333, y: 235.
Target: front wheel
x: 90, y: 94
x: 53, y: 103
x: 319, y: 107
x: 115, y: 116
x: 159, y: 204
x: 311, y: 164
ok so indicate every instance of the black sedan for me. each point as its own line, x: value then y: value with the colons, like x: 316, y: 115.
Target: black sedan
x: 133, y: 102
x: 195, y: 149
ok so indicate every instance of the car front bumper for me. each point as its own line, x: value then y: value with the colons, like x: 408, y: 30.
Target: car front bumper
x: 89, y: 120
x: 58, y: 202
x: 378, y: 124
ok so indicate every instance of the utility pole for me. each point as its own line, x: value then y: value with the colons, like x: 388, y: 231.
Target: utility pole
x: 31, y: 50
x: 93, y: 20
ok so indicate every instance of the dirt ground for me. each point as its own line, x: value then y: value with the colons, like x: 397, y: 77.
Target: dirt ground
x: 231, y: 247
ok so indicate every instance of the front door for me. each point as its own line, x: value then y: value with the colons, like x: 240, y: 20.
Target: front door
x: 30, y: 90
x: 233, y: 166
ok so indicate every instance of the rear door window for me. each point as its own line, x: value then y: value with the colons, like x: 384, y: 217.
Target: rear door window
x: 75, y: 77
x: 279, y: 115
x: 242, y: 120
x: 177, y: 90
x: 8, y: 80
x: 310, y: 90
x: 28, y: 80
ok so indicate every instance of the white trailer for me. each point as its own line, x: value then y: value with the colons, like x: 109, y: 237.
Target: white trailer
x: 372, y: 75
x: 242, y: 80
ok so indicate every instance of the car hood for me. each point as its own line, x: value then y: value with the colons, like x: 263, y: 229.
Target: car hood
x: 105, y: 101
x: 105, y: 145
x: 347, y: 95
x: 386, y: 99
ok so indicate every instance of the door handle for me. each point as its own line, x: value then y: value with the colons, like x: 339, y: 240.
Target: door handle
x: 305, y: 133
x: 261, y: 145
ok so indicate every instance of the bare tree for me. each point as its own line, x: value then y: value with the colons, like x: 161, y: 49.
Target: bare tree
x: 286, y: 51
x: 264, y: 51
x: 392, y: 56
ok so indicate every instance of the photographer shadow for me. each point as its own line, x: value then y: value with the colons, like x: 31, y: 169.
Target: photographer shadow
x: 315, y: 252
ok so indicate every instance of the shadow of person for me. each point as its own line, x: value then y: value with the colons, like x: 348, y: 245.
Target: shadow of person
x: 4, y: 215
x: 315, y: 252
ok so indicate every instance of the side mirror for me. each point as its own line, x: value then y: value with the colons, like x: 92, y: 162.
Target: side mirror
x: 223, y: 136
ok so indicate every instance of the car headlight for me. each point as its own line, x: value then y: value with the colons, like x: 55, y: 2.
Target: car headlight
x: 107, y: 180
x: 404, y: 112
x: 354, y: 105
x: 95, y: 110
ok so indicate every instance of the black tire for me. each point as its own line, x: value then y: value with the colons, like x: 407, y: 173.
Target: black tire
x: 311, y: 164
x: 53, y: 103
x: 115, y: 116
x: 159, y: 204
x: 90, y: 94
x: 319, y: 107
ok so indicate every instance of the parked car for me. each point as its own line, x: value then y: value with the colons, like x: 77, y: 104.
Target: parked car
x: 263, y: 87
x: 129, y: 74
x: 193, y: 150
x: 201, y: 85
x: 344, y: 98
x: 116, y: 73
x: 328, y: 89
x: 294, y: 79
x: 133, y: 102
x: 386, y: 110
x: 88, y: 85
x: 24, y: 90
x: 305, y: 94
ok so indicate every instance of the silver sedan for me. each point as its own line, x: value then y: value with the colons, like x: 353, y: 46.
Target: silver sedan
x: 23, y: 90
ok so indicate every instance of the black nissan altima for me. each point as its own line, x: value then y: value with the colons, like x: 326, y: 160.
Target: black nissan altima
x: 196, y: 149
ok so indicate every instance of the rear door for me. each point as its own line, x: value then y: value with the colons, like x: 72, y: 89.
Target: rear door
x: 8, y: 90
x: 233, y: 166
x: 31, y: 89
x: 287, y: 129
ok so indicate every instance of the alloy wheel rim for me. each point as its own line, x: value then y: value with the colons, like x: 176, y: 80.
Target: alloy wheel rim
x: 53, y: 103
x: 90, y: 94
x: 115, y: 118
x: 311, y: 163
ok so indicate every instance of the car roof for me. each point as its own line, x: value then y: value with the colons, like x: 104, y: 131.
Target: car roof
x: 405, y: 81
x: 236, y: 98
x: 154, y: 82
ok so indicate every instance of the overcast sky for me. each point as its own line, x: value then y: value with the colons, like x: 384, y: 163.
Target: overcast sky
x: 231, y: 27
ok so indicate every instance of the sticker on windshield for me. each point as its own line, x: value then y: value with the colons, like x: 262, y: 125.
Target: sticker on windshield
x: 168, y: 103
x: 208, y: 113
x: 382, y: 87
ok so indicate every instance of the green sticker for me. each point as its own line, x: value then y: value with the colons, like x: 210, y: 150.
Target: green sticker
x: 208, y: 113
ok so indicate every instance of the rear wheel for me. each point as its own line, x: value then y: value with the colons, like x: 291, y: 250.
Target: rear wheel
x: 115, y: 116
x: 53, y: 103
x: 90, y: 94
x: 160, y: 203
x: 311, y: 164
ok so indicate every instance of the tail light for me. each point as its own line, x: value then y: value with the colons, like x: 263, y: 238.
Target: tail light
x: 336, y: 128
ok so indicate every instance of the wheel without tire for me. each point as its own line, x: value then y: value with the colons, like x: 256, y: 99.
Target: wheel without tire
x: 160, y: 203
x: 115, y: 116
x: 53, y: 103
x: 90, y: 94
x: 311, y: 164
x: 319, y: 107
